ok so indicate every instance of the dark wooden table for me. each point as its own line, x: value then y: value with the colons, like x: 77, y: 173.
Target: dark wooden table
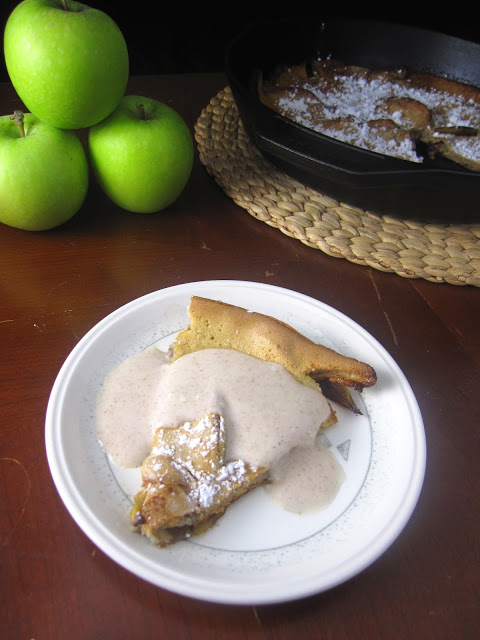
x: 56, y: 285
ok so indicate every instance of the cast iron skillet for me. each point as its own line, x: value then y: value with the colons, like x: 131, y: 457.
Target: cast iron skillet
x: 436, y: 190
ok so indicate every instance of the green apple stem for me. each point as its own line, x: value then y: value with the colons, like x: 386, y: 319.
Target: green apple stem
x: 141, y: 111
x: 64, y: 3
x: 18, y: 117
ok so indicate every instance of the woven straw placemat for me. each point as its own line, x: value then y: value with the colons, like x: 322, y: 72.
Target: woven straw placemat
x: 435, y: 252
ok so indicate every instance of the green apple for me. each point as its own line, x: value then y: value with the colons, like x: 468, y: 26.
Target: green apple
x: 68, y: 65
x: 43, y: 173
x: 142, y: 154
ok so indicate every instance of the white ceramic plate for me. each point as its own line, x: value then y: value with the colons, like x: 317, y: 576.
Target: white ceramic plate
x: 257, y: 553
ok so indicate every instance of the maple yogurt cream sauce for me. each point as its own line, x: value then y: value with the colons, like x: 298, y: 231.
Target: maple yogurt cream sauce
x: 271, y: 419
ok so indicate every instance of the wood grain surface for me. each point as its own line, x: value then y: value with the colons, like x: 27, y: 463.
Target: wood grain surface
x: 56, y: 285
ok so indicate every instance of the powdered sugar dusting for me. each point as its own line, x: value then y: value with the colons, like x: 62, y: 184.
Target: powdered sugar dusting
x: 383, y: 111
x: 198, y: 449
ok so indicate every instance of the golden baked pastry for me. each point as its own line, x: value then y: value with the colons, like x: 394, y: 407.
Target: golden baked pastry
x: 407, y: 116
x: 186, y: 482
x: 218, y: 325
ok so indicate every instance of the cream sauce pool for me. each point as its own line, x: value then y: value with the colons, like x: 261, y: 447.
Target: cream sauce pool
x: 271, y: 420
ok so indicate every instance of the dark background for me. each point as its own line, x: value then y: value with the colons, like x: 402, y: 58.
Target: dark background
x: 168, y: 37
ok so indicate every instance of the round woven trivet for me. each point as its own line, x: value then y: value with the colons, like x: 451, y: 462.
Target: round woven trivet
x: 435, y: 252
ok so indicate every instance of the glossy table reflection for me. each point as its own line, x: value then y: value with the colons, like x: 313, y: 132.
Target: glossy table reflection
x: 57, y: 285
